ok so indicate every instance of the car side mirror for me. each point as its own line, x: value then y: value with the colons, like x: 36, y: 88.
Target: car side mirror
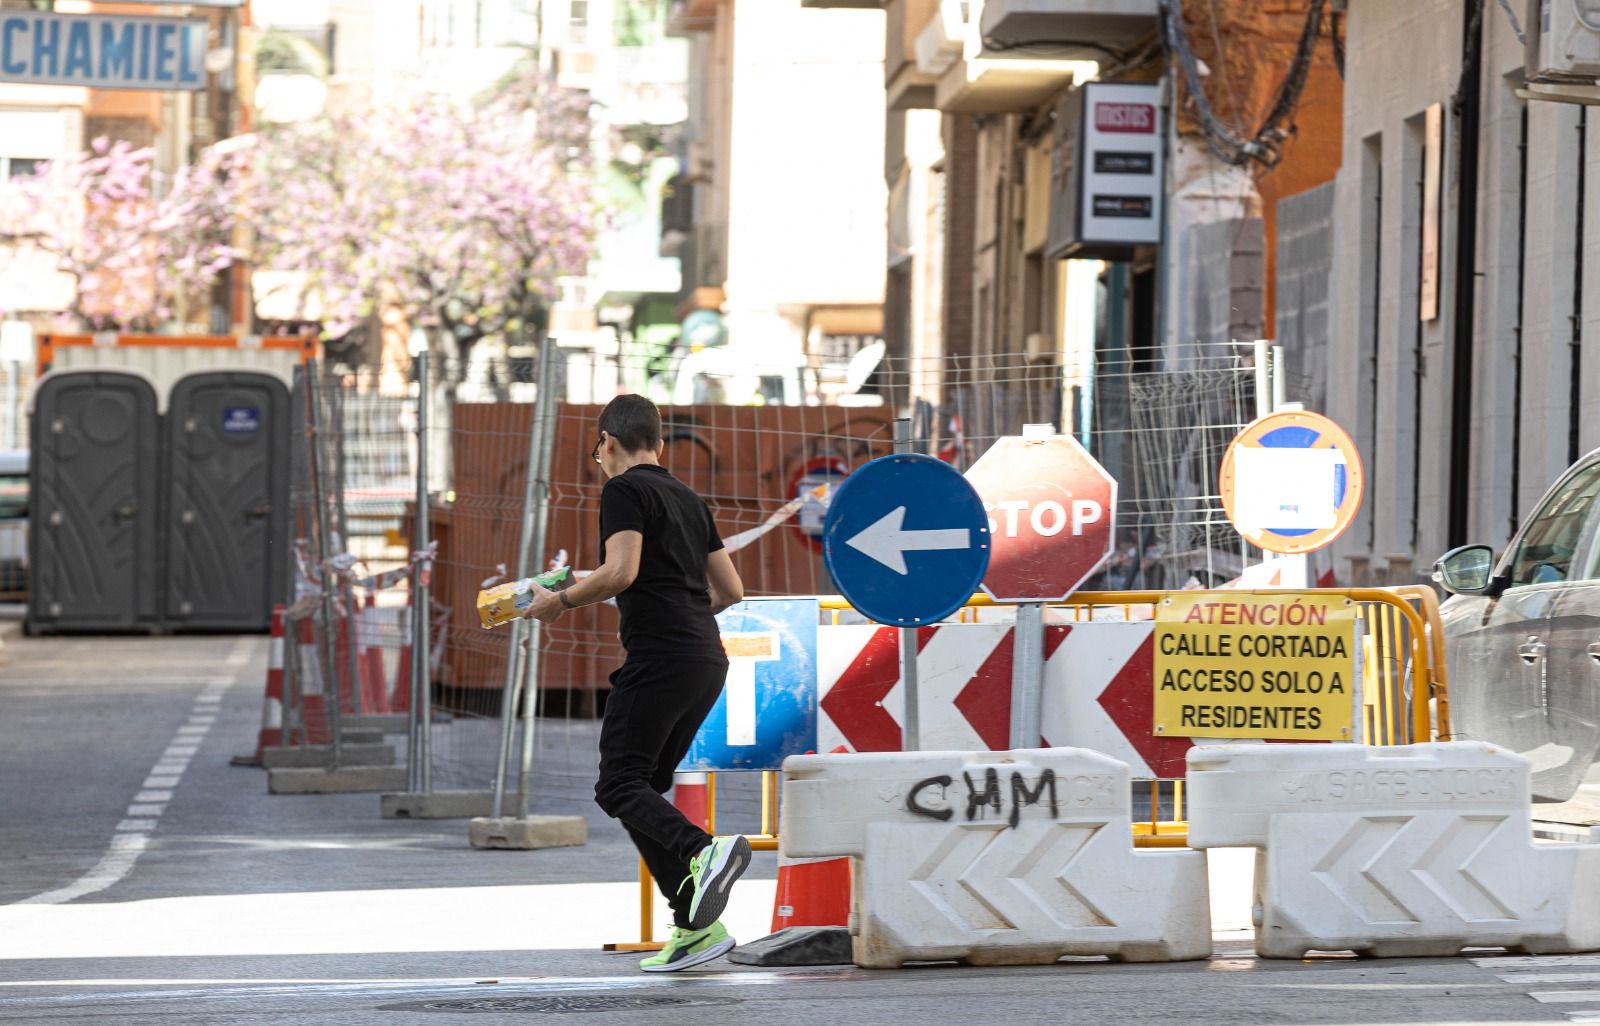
x: 1468, y: 570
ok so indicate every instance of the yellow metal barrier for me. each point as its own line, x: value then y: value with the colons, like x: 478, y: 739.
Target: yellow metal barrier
x: 1403, y: 637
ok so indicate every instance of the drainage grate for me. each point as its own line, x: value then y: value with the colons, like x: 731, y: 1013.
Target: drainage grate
x: 560, y: 1003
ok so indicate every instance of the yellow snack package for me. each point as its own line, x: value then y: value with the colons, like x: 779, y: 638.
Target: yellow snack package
x: 506, y: 602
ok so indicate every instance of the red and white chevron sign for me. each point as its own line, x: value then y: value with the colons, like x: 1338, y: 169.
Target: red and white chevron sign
x: 1098, y: 691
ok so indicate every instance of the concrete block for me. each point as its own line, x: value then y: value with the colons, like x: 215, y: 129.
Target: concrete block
x: 1410, y: 851
x: 361, y: 737
x: 994, y: 858
x: 797, y: 945
x: 318, y: 756
x: 387, y: 723
x: 438, y: 805
x: 525, y: 834
x: 347, y: 780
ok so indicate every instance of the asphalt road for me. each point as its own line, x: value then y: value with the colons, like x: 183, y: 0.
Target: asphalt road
x: 236, y: 906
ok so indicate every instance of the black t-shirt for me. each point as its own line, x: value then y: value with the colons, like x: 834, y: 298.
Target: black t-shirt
x: 666, y: 611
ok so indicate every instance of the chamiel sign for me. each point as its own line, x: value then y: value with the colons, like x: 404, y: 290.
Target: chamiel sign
x: 1279, y: 666
x: 103, y: 51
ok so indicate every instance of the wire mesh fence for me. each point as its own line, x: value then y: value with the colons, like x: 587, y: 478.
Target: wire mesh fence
x: 766, y: 468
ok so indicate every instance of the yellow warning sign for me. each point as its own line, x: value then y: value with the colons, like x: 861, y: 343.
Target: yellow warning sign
x: 1259, y: 666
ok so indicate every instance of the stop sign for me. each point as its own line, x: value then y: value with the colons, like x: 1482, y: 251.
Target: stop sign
x: 1051, y: 513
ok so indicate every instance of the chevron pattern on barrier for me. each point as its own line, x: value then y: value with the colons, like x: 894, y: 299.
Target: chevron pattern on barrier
x: 1409, y: 851
x: 994, y: 858
x: 1097, y: 691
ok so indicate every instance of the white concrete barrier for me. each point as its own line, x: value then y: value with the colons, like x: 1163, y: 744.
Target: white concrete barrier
x: 994, y: 858
x: 1418, y: 850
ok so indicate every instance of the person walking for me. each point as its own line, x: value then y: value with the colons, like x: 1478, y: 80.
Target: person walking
x: 663, y: 561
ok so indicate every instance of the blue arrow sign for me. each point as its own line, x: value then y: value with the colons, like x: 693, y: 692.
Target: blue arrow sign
x: 906, y: 540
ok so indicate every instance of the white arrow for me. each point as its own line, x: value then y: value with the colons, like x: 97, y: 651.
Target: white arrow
x: 887, y: 542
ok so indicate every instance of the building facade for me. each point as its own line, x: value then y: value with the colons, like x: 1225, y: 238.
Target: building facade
x: 1462, y: 305
x: 777, y: 215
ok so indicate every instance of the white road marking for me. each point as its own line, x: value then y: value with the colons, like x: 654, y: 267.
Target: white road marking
x: 1551, y: 977
x: 112, y: 867
x: 1564, y: 997
x: 447, y: 987
x: 132, y: 835
x: 1535, y: 961
x: 514, y: 918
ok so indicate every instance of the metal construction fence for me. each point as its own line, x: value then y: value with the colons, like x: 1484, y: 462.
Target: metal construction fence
x: 377, y: 439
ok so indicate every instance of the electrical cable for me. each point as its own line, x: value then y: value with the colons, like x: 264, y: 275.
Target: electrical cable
x: 1263, y: 147
x: 1335, y: 27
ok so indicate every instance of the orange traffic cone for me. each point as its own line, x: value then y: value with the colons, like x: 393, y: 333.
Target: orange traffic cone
x: 369, y: 659
x: 271, y: 733
x: 689, y: 794
x: 314, y: 729
x: 812, y: 892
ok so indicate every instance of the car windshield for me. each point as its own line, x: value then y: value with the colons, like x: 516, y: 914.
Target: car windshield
x: 13, y: 497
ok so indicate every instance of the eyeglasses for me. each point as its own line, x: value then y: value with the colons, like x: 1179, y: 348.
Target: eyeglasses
x: 596, y: 454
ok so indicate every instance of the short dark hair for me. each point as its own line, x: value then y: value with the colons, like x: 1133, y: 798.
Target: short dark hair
x: 633, y: 421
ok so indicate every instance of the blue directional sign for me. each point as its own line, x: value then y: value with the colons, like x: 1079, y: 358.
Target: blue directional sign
x: 906, y: 539
x: 768, y: 708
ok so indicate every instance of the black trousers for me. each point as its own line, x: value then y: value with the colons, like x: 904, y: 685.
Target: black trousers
x: 651, y: 718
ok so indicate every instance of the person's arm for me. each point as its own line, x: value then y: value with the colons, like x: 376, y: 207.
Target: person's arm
x: 726, y: 586
x: 613, y: 577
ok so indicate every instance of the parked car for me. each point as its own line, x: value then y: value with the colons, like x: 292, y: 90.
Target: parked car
x: 13, y: 523
x: 1522, y: 636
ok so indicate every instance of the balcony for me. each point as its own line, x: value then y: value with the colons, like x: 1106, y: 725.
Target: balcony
x: 906, y: 84
x: 980, y: 83
x: 939, y: 43
x: 1085, y: 30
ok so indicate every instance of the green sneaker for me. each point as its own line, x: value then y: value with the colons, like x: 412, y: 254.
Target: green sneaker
x: 713, y: 872
x: 686, y: 948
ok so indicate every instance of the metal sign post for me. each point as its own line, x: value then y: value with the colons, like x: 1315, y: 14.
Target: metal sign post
x: 907, y: 542
x: 911, y: 726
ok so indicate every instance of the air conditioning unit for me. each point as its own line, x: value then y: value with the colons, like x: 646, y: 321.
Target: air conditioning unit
x: 1563, y: 51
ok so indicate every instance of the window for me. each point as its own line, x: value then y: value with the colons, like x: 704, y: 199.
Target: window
x: 1545, y: 551
x: 18, y: 167
x: 578, y: 30
x: 13, y: 497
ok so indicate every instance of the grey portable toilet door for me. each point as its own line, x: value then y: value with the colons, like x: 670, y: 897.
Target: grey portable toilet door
x: 95, y: 473
x: 227, y: 500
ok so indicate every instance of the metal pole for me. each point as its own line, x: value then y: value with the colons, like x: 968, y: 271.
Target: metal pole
x: 330, y: 681
x: 422, y: 605
x: 911, y: 730
x: 528, y: 675
x: 1280, y: 381
x: 516, y: 653
x: 341, y: 537
x: 1263, y: 379
x: 14, y: 427
x: 1027, y: 675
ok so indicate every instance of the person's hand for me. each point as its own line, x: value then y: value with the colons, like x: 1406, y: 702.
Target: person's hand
x: 546, y: 606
